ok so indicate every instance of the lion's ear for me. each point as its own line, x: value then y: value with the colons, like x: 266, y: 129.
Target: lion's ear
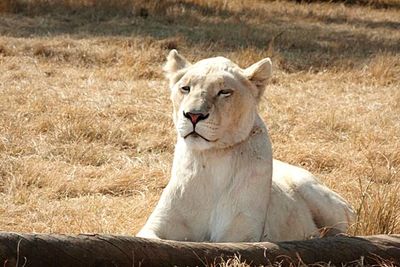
x: 258, y: 74
x: 175, y: 63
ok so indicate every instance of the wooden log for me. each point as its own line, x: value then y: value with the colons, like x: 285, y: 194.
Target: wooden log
x: 110, y: 250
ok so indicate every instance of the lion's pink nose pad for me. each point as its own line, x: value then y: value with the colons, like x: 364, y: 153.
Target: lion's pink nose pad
x: 195, y: 117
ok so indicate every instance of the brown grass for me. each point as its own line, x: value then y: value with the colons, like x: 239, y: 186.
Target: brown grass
x: 86, y: 137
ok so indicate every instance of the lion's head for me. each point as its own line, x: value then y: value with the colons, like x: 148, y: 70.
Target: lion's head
x: 214, y: 100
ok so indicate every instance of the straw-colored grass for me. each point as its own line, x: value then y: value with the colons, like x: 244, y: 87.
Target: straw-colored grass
x: 86, y: 136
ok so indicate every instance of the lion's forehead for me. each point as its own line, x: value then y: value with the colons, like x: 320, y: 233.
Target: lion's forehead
x: 210, y: 79
x: 219, y: 62
x: 213, y: 79
x: 215, y: 65
x: 213, y: 72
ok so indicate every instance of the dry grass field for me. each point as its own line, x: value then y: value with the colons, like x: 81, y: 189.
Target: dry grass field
x: 86, y: 135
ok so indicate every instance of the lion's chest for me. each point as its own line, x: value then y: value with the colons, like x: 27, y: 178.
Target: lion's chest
x: 209, y: 197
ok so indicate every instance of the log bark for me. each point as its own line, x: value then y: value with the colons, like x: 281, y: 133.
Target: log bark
x: 110, y: 250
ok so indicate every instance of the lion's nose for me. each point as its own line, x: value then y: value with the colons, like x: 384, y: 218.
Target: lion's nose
x: 195, y: 117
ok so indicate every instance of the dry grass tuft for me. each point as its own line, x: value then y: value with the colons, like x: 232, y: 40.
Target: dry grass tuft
x: 232, y: 262
x: 86, y: 136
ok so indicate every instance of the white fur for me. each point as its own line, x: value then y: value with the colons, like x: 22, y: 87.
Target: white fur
x: 221, y: 187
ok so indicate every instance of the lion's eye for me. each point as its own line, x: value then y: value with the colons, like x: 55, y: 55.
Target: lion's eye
x: 225, y: 92
x: 185, y: 89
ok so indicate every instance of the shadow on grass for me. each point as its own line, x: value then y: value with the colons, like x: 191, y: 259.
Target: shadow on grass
x: 307, y: 41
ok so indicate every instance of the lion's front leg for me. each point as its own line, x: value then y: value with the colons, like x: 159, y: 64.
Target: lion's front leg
x: 146, y: 233
x: 167, y: 228
x: 242, y: 228
x: 240, y: 214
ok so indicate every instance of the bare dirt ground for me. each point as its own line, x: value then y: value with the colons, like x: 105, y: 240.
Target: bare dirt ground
x: 86, y: 135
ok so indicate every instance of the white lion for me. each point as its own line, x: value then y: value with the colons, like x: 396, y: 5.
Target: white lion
x: 222, y: 188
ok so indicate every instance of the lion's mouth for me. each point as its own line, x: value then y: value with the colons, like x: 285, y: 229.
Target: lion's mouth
x: 194, y: 134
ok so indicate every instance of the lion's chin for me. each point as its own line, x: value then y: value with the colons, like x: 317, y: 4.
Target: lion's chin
x: 197, y: 135
x: 198, y: 142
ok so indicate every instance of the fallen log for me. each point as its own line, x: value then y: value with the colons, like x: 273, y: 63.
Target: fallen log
x: 110, y: 250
